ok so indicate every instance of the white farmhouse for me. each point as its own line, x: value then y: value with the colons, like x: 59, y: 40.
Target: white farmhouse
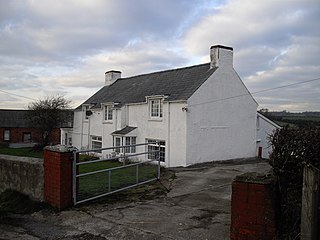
x: 199, y: 114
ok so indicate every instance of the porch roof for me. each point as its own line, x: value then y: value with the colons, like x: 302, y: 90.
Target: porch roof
x: 124, y: 131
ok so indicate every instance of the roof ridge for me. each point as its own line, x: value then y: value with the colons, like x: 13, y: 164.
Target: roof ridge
x: 163, y: 71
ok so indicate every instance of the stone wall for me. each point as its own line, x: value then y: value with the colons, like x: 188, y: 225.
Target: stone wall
x: 22, y: 174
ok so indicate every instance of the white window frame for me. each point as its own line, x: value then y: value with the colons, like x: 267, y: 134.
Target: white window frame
x: 96, y: 140
x: 107, y: 111
x: 130, y: 141
x: 152, y: 146
x: 115, y: 144
x: 6, y: 135
x: 156, y: 108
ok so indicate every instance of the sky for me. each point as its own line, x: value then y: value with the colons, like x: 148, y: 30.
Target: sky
x: 55, y: 47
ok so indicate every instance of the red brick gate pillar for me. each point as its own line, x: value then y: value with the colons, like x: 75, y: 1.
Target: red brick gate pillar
x: 253, y: 208
x: 58, y: 176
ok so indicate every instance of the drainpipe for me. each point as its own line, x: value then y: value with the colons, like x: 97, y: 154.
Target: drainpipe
x: 81, y: 140
x: 116, y: 119
x: 89, y: 132
x: 168, y: 143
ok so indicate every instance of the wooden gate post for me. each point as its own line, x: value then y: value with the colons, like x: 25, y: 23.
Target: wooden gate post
x: 58, y: 176
x: 310, y: 203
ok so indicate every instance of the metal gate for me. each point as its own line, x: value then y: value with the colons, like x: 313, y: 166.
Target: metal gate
x: 101, y: 172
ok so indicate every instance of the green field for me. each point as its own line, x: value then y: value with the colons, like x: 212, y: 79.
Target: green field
x: 296, y: 120
x: 22, y: 152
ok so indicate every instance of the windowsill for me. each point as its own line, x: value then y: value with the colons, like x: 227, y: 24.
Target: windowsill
x: 107, y: 122
x: 155, y: 119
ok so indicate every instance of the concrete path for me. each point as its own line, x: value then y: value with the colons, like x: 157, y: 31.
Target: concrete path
x: 197, y: 207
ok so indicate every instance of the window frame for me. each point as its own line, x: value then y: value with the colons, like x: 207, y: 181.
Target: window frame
x: 107, y: 109
x: 153, y: 147
x: 156, y: 108
x: 6, y: 135
x: 23, y: 137
x: 96, y: 140
x: 132, y: 141
x: 119, y: 149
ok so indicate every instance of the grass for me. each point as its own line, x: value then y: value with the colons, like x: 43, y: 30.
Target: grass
x: 22, y: 152
x: 98, y: 183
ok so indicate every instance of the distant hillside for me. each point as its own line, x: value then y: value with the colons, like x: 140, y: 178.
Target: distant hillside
x: 310, y: 119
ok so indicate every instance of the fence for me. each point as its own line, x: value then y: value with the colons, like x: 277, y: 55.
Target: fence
x: 122, y: 168
x: 310, y: 203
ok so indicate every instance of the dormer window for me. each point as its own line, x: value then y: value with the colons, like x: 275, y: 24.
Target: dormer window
x: 156, y: 108
x: 108, y: 113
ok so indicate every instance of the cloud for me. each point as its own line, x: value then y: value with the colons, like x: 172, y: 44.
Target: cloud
x: 275, y: 43
x: 66, y: 46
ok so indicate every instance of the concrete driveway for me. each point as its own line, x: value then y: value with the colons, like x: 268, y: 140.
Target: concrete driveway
x: 197, y: 207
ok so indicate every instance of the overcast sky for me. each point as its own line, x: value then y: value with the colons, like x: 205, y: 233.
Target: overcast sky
x: 50, y: 47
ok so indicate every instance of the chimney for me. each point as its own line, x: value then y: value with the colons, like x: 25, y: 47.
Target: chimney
x: 221, y: 56
x: 111, y: 77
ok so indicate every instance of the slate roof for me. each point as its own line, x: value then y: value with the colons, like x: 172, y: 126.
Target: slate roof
x: 177, y: 84
x: 124, y: 130
x: 19, y: 119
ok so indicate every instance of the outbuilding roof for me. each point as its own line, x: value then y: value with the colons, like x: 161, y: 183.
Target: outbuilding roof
x: 176, y: 84
x: 20, y: 119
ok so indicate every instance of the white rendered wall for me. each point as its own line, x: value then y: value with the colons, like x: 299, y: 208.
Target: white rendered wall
x: 220, y: 125
x: 78, y: 129
x: 265, y: 128
x: 171, y: 129
x: 94, y: 126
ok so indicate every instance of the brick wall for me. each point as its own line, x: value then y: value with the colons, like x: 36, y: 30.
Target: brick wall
x: 58, y: 177
x: 16, y: 135
x: 253, y: 210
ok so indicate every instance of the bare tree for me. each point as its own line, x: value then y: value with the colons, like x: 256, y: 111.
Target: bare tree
x: 47, y: 114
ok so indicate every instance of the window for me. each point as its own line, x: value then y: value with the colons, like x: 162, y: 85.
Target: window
x: 156, y: 108
x: 26, y: 137
x: 108, y: 113
x: 130, y: 141
x: 6, y: 135
x: 258, y: 123
x: 66, y: 139
x: 153, y: 147
x: 117, y: 144
x: 96, y: 142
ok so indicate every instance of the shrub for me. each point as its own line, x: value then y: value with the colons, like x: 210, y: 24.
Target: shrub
x: 292, y: 148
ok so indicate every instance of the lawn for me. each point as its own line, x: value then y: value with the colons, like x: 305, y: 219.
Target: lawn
x: 96, y: 184
x: 23, y: 152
